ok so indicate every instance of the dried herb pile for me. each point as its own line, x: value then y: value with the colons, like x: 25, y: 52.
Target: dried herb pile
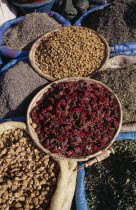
x: 17, y: 88
x: 117, y: 22
x: 76, y: 118
x: 28, y: 176
x: 111, y: 184
x: 123, y: 83
x: 69, y: 52
x: 23, y: 35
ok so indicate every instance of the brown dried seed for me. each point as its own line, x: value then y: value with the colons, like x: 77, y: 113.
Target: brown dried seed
x: 70, y: 45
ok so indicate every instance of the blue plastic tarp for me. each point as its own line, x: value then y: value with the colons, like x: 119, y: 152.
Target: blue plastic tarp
x: 18, y: 119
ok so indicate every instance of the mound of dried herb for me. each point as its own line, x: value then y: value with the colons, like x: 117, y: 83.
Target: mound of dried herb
x: 111, y: 184
x: 24, y: 34
x: 76, y: 118
x: 123, y: 83
x: 117, y: 22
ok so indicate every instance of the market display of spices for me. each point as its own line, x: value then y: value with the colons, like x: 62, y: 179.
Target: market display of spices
x: 111, y: 184
x: 24, y: 34
x: 76, y: 118
x: 116, y: 22
x: 71, y: 51
x: 72, y: 118
x: 123, y: 82
x: 28, y: 177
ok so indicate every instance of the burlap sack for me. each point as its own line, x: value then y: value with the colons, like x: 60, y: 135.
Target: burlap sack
x: 120, y: 61
x: 128, y: 128
x: 63, y: 196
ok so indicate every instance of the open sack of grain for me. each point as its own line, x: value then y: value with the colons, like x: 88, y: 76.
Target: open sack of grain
x: 18, y: 35
x: 30, y: 179
x: 109, y: 184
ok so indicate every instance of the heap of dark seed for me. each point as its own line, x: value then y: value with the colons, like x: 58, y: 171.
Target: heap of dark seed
x: 17, y: 88
x: 111, y: 184
x: 117, y: 22
x: 23, y: 35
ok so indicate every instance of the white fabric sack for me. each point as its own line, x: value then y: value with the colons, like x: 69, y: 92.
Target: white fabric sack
x: 7, y: 11
x: 120, y: 61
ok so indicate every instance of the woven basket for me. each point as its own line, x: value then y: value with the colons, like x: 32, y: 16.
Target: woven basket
x: 49, y: 77
x: 63, y: 195
x: 35, y: 137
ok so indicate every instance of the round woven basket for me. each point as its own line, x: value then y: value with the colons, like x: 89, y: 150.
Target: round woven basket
x: 35, y: 137
x: 49, y: 77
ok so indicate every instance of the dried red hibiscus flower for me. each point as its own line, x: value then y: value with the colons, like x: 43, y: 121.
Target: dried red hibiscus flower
x: 76, y: 118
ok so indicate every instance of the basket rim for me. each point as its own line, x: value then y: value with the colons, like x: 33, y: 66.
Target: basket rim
x: 39, y: 40
x: 34, y: 135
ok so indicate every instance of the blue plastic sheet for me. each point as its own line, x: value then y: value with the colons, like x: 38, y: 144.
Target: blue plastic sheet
x: 1, y: 62
x: 100, y: 1
x: 128, y: 46
x: 18, y: 119
x: 81, y: 203
x: 128, y: 136
x: 128, y: 53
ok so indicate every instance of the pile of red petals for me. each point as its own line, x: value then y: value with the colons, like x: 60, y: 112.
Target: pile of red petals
x: 76, y: 118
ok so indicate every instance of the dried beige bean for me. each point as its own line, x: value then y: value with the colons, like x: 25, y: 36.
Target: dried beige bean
x: 22, y: 198
x: 3, y: 152
x: 22, y: 161
x: 39, y: 187
x: 52, y: 174
x: 18, y: 205
x: 26, y: 206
